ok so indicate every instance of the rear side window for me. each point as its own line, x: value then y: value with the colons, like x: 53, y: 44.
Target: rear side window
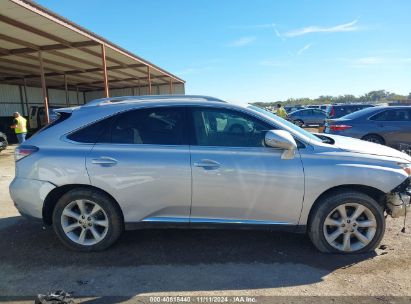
x: 91, y: 133
x: 155, y: 126
x: 393, y: 115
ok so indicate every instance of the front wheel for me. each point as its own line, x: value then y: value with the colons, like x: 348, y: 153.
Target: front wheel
x: 87, y: 220
x: 347, y: 222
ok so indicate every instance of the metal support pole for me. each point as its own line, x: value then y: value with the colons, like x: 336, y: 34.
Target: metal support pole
x: 25, y: 96
x: 149, y: 80
x: 44, y: 89
x: 132, y: 91
x: 65, y: 88
x: 139, y: 88
x: 171, y: 86
x: 21, y: 100
x: 103, y: 58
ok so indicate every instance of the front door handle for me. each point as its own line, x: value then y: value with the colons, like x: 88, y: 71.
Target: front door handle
x: 207, y: 164
x: 104, y: 160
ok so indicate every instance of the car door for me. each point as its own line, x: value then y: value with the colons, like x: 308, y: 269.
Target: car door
x: 394, y: 125
x: 309, y: 117
x: 319, y: 117
x: 143, y: 161
x: 235, y: 177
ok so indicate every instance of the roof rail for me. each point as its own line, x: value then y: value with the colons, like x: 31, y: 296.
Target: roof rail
x: 109, y: 100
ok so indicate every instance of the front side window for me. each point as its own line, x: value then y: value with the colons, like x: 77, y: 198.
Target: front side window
x: 220, y: 127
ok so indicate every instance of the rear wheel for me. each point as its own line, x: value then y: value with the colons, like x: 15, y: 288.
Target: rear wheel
x: 374, y: 138
x: 347, y: 222
x: 87, y: 220
x: 299, y: 123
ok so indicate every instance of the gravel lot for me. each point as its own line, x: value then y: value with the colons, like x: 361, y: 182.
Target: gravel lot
x: 193, y: 263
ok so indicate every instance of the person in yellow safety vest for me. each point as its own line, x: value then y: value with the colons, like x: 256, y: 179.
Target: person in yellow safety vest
x: 281, y: 111
x: 20, y: 127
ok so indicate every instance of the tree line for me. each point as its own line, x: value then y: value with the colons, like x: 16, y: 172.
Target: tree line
x: 370, y: 97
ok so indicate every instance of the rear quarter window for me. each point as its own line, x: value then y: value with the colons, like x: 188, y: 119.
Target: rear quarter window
x: 91, y: 133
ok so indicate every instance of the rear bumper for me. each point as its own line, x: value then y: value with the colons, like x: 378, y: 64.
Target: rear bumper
x: 28, y: 196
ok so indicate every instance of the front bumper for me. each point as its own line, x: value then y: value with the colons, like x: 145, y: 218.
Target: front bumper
x: 398, y: 202
x: 28, y: 196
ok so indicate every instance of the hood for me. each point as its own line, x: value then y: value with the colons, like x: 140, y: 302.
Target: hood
x: 364, y: 147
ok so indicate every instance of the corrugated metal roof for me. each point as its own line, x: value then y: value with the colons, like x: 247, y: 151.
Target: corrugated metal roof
x: 67, y: 48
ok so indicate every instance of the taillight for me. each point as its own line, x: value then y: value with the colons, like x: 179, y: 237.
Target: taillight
x: 339, y: 127
x: 24, y: 151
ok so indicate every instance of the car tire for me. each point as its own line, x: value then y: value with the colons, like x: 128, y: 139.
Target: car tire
x: 87, y: 220
x: 374, y: 138
x: 299, y: 123
x: 3, y: 143
x: 349, y: 232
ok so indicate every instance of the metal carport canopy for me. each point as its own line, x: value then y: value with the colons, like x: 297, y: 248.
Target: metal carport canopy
x: 39, y: 46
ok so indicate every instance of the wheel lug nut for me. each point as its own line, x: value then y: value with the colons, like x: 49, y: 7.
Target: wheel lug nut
x: 343, y: 225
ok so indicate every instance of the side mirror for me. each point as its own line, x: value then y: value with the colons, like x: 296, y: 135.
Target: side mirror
x: 283, y: 140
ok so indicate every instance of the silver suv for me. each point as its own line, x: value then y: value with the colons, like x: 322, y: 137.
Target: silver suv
x: 176, y: 161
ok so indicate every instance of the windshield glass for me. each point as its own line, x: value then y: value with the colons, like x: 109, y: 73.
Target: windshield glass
x: 286, y: 122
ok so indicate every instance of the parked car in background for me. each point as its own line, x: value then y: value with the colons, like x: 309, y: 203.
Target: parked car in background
x: 387, y: 125
x: 155, y: 161
x: 324, y: 107
x: 291, y: 109
x: 3, y: 141
x: 37, y: 117
x: 308, y: 117
x: 340, y: 110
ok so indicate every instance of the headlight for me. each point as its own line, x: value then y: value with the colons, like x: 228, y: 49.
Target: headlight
x: 407, y: 168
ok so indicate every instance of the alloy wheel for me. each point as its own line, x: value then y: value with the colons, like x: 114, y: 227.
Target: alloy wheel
x: 84, y: 222
x: 350, y: 227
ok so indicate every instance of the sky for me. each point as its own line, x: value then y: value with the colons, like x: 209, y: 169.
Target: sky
x: 261, y: 50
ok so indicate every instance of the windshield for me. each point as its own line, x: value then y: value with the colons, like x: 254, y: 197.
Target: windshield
x: 286, y: 122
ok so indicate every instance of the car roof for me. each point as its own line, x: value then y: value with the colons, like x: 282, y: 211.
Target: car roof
x: 152, y: 98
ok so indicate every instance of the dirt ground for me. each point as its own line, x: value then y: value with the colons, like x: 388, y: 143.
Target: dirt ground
x: 193, y: 263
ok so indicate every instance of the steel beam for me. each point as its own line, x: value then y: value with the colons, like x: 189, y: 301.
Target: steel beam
x: 104, y: 62
x: 149, y: 81
x: 44, y: 88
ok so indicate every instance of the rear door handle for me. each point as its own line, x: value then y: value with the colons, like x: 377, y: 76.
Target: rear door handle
x: 104, y: 160
x: 207, y: 164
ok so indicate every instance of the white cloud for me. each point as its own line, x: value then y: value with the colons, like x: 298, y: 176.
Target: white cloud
x: 274, y: 63
x: 196, y: 70
x: 261, y: 26
x: 377, y: 61
x: 303, y: 49
x: 243, y: 41
x: 346, y: 27
x: 251, y: 27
